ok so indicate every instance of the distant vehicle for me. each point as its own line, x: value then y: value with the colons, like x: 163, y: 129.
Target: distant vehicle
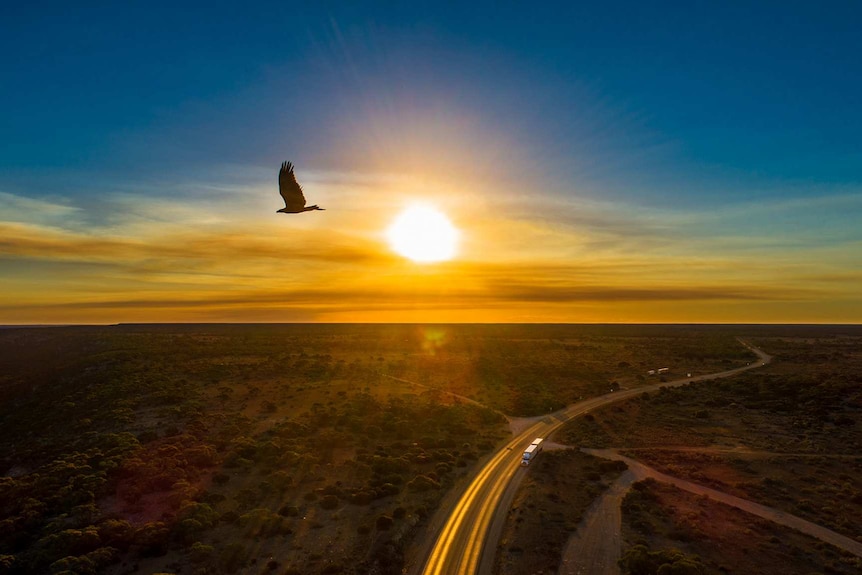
x: 651, y: 372
x: 532, y: 451
x: 663, y: 369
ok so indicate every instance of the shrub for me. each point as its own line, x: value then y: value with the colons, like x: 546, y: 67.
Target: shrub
x: 262, y: 522
x: 387, y: 489
x: 187, y: 530
x: 213, y: 498
x: 361, y: 498
x: 329, y: 502
x: 639, y: 560
x: 73, y: 565
x: 383, y: 523
x: 200, y: 512
x: 116, y: 532
x: 281, y: 480
x: 200, y: 553
x: 152, y: 538
x: 289, y: 511
x: 422, y: 483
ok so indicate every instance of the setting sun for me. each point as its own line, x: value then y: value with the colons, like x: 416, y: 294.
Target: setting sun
x: 423, y: 234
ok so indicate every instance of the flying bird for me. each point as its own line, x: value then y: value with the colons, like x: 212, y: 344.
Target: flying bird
x: 291, y: 191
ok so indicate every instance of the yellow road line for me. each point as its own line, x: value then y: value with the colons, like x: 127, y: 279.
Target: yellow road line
x: 441, y: 548
x: 440, y: 552
x: 474, y: 543
x: 478, y: 534
x: 480, y: 529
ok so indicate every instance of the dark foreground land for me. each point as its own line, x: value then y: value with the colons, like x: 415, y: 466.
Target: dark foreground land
x: 788, y: 436
x: 325, y: 448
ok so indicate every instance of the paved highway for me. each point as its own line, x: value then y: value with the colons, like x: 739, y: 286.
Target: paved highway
x: 461, y: 546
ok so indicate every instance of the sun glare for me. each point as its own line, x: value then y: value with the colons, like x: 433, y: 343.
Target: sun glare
x: 423, y: 234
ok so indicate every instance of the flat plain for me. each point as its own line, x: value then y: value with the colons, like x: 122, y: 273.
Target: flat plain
x: 327, y: 448
x: 787, y: 436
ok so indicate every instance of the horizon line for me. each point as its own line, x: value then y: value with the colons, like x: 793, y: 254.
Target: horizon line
x: 226, y: 323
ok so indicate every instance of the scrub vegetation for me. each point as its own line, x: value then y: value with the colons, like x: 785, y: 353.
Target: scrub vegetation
x: 788, y: 436
x: 550, y: 503
x: 287, y: 448
x: 666, y: 530
x: 219, y: 450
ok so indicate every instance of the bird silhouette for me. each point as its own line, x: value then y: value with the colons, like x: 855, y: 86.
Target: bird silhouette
x: 291, y: 191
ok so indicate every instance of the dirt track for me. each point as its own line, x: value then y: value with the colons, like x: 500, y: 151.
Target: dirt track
x: 463, y: 538
x: 744, y: 452
x: 595, y: 547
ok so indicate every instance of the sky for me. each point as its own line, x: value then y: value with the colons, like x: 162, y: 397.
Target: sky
x: 670, y: 162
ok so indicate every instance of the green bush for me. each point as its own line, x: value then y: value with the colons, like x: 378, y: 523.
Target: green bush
x: 422, y: 483
x: 639, y: 560
x: 200, y: 553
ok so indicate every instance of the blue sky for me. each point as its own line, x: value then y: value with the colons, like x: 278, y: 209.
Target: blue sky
x: 630, y: 115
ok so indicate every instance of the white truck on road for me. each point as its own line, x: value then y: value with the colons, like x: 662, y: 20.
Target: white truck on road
x: 532, y: 451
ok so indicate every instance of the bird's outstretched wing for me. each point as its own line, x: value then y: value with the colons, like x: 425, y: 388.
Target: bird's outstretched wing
x: 289, y: 188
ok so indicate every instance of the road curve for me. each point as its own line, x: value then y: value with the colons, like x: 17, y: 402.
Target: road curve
x: 461, y: 547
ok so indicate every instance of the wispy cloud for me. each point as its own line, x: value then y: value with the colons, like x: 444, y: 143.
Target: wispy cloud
x: 325, y: 299
x: 16, y: 208
x: 195, y: 257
